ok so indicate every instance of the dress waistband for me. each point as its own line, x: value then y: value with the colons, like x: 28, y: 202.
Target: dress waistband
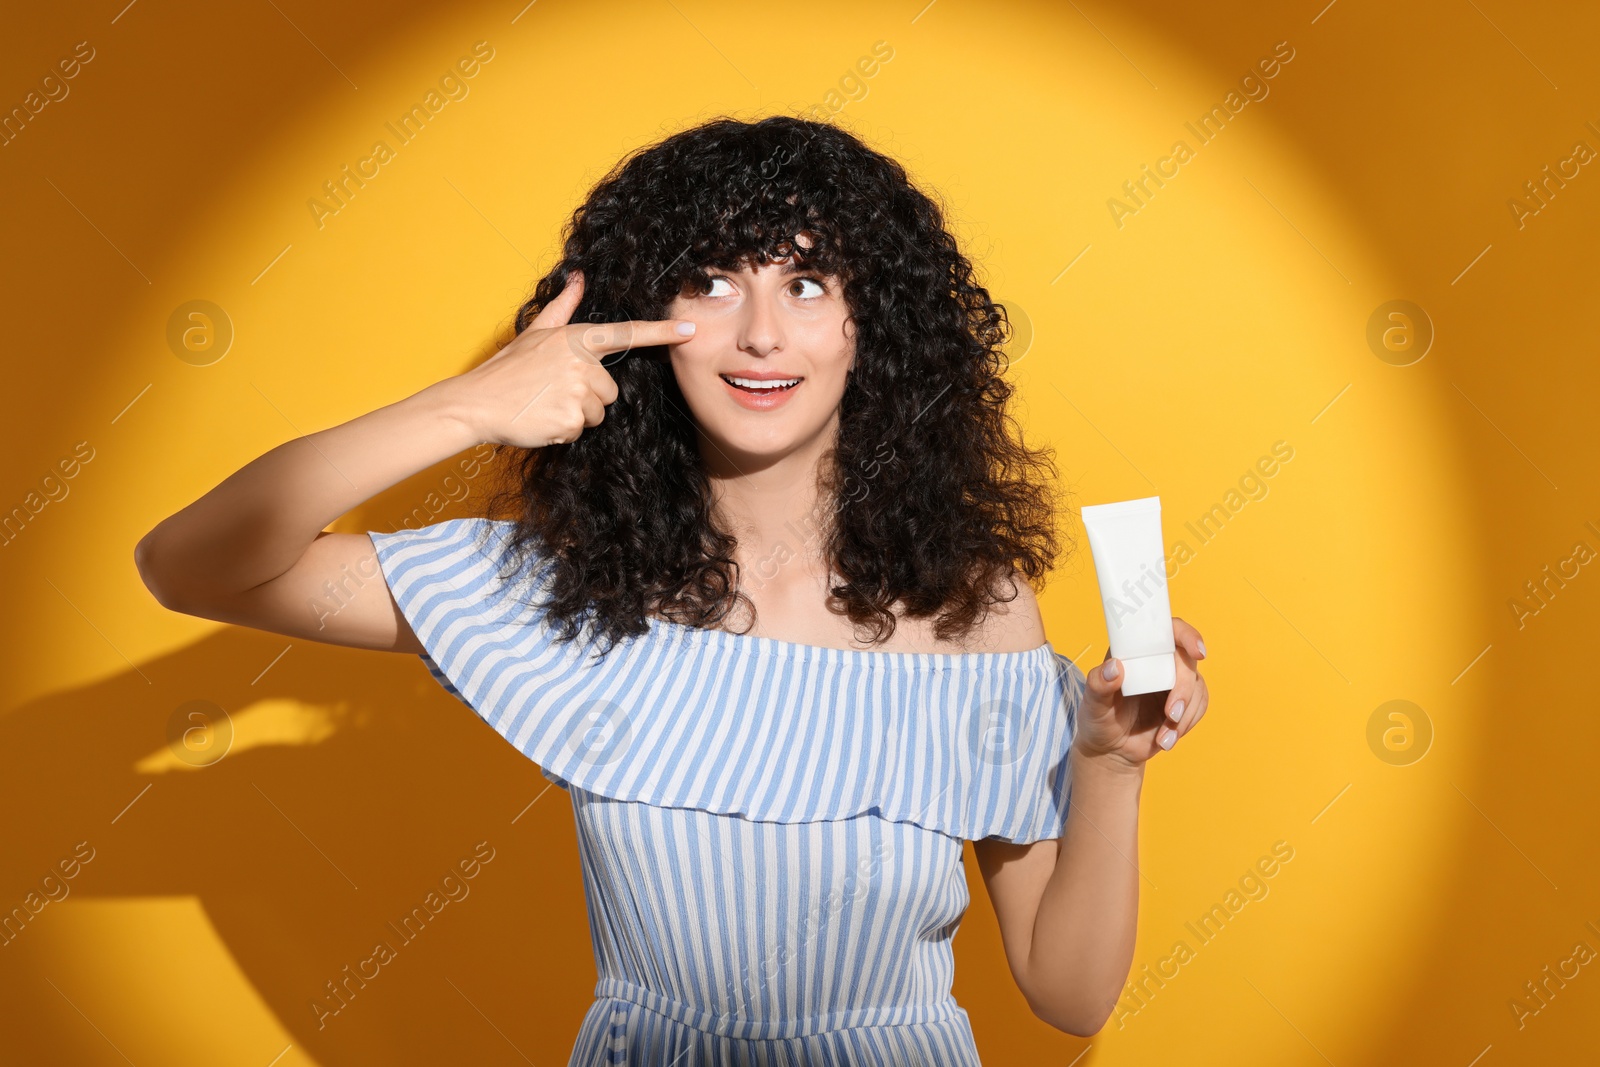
x: 724, y: 1024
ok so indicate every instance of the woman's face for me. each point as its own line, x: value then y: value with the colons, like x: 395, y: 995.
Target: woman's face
x: 765, y: 370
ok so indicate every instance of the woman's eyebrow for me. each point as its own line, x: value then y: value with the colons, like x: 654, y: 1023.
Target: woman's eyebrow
x: 786, y: 267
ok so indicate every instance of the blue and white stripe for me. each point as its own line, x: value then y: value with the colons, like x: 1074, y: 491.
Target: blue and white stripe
x: 770, y: 832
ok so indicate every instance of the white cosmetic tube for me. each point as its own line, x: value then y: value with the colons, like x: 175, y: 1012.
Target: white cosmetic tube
x: 1130, y: 561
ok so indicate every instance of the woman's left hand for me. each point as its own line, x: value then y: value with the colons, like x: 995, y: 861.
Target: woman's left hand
x: 1132, y: 729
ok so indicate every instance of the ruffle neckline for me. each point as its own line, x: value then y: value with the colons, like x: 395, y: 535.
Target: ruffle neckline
x: 793, y: 650
x: 972, y: 745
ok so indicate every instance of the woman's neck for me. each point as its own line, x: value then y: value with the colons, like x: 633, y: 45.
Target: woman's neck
x: 773, y: 509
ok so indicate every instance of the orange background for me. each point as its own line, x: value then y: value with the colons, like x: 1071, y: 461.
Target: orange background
x: 1384, y: 561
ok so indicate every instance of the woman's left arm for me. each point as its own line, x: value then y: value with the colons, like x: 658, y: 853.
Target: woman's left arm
x: 1068, y: 907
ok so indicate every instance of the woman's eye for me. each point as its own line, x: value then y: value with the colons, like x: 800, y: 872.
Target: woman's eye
x: 817, y: 288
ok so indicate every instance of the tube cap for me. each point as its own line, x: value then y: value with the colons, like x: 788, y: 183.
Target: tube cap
x: 1149, y: 674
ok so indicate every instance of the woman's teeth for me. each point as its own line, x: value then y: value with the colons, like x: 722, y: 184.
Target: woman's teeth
x: 760, y: 385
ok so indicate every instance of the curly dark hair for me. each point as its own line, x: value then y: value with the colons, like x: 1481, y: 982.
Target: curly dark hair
x: 935, y: 503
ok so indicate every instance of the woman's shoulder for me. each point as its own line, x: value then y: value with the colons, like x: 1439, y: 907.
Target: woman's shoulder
x: 1012, y: 624
x: 1015, y: 624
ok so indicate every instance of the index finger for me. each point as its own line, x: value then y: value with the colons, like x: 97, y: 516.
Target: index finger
x: 602, y: 338
x: 1189, y: 638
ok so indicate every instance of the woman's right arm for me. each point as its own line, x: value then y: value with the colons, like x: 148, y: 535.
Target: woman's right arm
x: 254, y: 551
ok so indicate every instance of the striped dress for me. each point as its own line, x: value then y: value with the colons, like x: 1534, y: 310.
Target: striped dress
x: 770, y: 833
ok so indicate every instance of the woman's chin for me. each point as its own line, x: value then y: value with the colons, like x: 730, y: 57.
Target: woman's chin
x: 745, y: 447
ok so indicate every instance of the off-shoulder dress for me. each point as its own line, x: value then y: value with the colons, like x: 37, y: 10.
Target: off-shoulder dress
x: 770, y: 833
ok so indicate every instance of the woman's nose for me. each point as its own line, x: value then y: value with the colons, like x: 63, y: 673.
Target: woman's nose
x: 761, y: 327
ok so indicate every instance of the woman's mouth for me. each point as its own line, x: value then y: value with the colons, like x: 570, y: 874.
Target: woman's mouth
x: 760, y: 394
x: 760, y: 385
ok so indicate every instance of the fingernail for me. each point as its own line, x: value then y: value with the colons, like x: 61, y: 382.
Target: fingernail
x: 1202, y: 645
x: 1109, y: 671
x: 1168, y: 738
x: 685, y: 328
x: 1177, y: 711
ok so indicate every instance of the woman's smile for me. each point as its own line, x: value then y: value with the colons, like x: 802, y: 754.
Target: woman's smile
x: 761, y: 390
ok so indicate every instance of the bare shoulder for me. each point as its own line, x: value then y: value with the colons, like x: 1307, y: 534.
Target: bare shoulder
x: 1014, y: 624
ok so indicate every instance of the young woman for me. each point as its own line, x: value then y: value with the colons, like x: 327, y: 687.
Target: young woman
x: 761, y: 601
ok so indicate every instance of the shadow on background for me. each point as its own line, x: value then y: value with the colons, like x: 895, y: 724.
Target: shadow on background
x: 353, y: 786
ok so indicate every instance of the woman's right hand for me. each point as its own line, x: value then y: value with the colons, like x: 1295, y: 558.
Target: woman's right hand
x: 256, y: 550
x: 547, y: 385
